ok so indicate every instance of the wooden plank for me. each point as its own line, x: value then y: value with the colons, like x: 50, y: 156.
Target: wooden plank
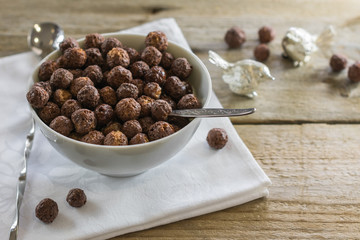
x: 307, y: 94
x: 315, y: 170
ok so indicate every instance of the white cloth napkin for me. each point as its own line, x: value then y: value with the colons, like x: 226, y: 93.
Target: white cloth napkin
x: 196, y: 181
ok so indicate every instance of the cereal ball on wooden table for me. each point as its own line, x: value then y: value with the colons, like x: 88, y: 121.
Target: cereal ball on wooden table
x: 338, y: 62
x: 261, y: 52
x: 235, y: 37
x: 266, y: 34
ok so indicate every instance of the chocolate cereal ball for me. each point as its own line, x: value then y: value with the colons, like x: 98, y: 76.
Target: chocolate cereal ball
x: 146, y: 123
x: 138, y: 139
x: 145, y: 103
x: 354, y: 72
x: 76, y: 197
x: 151, y: 55
x: 139, y: 69
x: 189, y: 101
x: 104, y: 114
x: 157, y: 39
x: 174, y: 87
x: 94, y: 73
x: 166, y: 60
x: 116, y: 138
x: 84, y: 120
x: 62, y: 125
x: 45, y: 85
x: 181, y: 68
x: 178, y: 121
x: 60, y: 96
x: 127, y: 90
x: 94, y: 57
x: 74, y: 58
x: 153, y: 90
x: 169, y: 100
x: 338, y: 62
x: 49, y: 112
x: 76, y: 72
x: 160, y: 110
x: 133, y: 54
x: 47, y: 210
x: 109, y: 44
x: 217, y: 138
x: 108, y: 95
x: 139, y: 84
x: 262, y: 52
x: 111, y: 126
x: 46, y: 69
x: 68, y: 42
x: 131, y: 128
x: 127, y: 109
x: 93, y: 40
x: 235, y: 37
x: 61, y: 78
x: 266, y: 34
x: 117, y: 57
x: 93, y: 137
x: 117, y: 76
x: 79, y: 83
x: 69, y: 107
x: 159, y: 130
x: 88, y: 96
x: 156, y: 74
x: 37, y: 97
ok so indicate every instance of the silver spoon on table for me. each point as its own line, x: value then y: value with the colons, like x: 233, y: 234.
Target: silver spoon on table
x: 43, y: 38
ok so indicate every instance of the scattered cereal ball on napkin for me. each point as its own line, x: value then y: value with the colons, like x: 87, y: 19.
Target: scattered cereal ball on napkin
x: 262, y: 52
x: 338, y: 62
x: 266, y: 34
x: 217, y: 138
x: 47, y: 210
x: 235, y: 37
x: 354, y: 72
x: 76, y: 197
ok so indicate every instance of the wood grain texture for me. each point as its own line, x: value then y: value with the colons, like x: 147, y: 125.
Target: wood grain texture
x: 305, y: 135
x: 315, y: 170
x: 307, y: 94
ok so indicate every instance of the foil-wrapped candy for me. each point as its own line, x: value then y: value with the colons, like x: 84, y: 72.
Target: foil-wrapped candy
x: 242, y: 76
x: 298, y: 44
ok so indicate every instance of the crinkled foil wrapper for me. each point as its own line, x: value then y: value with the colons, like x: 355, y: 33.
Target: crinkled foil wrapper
x: 243, y: 76
x: 298, y: 44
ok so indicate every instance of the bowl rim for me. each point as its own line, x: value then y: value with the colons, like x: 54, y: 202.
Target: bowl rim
x: 147, y: 144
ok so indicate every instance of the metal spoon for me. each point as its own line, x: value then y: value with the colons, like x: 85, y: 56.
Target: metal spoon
x: 212, y: 112
x: 43, y: 38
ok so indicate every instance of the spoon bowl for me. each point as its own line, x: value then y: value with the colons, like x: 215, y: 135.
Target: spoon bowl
x: 43, y: 38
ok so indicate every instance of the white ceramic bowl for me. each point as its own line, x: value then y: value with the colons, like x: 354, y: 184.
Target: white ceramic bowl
x: 123, y: 161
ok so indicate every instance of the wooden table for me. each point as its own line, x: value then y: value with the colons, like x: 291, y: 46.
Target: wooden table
x: 305, y: 134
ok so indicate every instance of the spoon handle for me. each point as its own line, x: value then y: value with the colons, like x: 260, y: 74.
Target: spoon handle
x: 212, y: 112
x: 22, y: 181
